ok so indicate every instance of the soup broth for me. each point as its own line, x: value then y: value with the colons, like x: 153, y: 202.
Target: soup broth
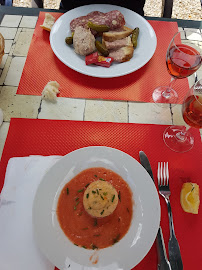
x: 81, y: 228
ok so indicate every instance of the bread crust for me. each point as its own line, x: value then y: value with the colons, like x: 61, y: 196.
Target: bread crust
x: 128, y: 53
x: 48, y: 22
x: 114, y: 35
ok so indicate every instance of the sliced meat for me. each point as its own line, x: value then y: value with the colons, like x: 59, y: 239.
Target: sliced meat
x: 114, y: 45
x: 123, y: 54
x: 114, y: 19
x: 83, y: 20
x: 94, y: 13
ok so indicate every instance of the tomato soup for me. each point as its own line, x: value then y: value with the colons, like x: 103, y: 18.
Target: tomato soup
x: 81, y: 228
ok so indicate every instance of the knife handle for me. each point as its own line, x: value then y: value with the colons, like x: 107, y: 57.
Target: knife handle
x: 163, y: 263
x: 174, y: 254
x: 173, y: 246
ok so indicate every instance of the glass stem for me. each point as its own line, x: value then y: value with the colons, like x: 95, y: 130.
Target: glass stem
x: 172, y: 82
x: 166, y: 93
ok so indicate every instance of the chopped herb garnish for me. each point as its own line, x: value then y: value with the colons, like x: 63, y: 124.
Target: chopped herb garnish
x: 84, y: 247
x: 77, y: 198
x: 87, y: 195
x: 102, y: 179
x: 75, y: 244
x: 94, y: 246
x: 96, y: 235
x: 95, y: 175
x: 95, y: 222
x: 128, y: 210
x: 97, y: 191
x: 102, y: 212
x: 93, y: 191
x: 116, y: 239
x: 89, y: 208
x: 80, y: 190
x: 101, y: 197
x: 119, y: 195
x: 87, y: 185
x: 85, y: 229
x: 80, y: 213
x: 105, y: 193
x: 67, y: 191
x: 74, y: 207
x: 113, y: 198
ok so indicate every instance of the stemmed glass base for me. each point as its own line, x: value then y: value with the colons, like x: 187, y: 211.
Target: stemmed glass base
x: 178, y: 139
x: 164, y: 96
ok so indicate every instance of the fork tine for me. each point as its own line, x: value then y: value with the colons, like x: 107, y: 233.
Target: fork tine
x: 162, y: 182
x: 164, y: 174
x: 167, y: 173
x: 159, y: 175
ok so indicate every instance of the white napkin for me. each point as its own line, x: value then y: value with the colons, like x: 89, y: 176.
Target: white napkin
x: 18, y: 250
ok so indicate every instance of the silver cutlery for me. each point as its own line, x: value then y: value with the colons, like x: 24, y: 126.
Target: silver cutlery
x: 164, y: 189
x: 163, y: 263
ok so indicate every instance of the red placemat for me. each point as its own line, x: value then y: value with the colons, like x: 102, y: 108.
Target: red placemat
x: 42, y: 66
x: 59, y: 137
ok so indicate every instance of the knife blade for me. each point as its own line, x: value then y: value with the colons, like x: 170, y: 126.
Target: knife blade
x: 163, y: 263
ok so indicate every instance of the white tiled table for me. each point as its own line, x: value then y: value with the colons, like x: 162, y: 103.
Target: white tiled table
x: 17, y: 31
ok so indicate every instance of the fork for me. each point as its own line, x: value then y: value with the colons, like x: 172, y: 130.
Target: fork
x: 164, y: 190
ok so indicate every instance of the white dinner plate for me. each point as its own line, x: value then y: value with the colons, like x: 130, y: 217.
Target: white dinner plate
x: 142, y: 54
x: 132, y: 248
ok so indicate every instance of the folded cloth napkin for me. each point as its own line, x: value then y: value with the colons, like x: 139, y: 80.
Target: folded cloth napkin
x: 18, y: 249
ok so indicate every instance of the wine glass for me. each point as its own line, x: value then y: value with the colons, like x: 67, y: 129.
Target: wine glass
x: 182, y: 60
x: 179, y: 138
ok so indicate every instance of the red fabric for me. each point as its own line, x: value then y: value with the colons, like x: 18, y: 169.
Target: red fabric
x: 59, y: 137
x: 137, y: 86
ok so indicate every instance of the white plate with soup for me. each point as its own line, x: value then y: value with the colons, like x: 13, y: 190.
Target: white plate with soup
x: 134, y: 219
x: 144, y: 51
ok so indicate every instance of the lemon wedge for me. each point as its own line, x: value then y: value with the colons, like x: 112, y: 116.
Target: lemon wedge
x: 189, y: 198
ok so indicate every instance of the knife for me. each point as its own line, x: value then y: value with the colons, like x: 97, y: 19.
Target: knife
x: 163, y: 263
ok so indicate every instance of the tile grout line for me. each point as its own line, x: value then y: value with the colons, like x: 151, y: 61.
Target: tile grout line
x: 9, y: 59
x: 39, y: 109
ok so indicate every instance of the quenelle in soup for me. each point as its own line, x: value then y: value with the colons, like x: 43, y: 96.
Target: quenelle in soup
x: 95, y: 208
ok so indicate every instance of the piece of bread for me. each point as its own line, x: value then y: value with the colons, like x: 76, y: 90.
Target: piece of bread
x: 118, y: 34
x: 116, y: 44
x: 50, y: 91
x: 48, y: 22
x: 123, y: 54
